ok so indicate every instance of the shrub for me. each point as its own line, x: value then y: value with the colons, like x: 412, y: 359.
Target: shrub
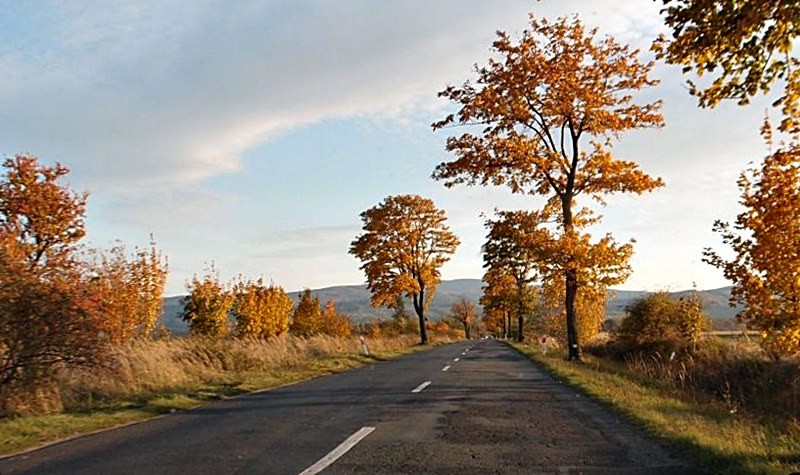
x: 660, y: 321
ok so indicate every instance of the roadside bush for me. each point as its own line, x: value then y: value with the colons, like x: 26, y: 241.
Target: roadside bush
x: 658, y: 322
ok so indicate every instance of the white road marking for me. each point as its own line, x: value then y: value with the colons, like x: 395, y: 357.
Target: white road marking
x: 446, y: 368
x: 456, y: 359
x: 342, y: 449
x: 421, y: 387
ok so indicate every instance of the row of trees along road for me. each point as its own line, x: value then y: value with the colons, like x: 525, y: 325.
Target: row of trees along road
x: 260, y: 310
x: 542, y: 117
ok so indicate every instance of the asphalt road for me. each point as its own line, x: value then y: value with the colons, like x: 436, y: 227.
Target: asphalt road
x: 485, y: 409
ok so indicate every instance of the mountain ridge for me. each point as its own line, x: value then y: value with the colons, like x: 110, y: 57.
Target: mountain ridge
x: 354, y: 300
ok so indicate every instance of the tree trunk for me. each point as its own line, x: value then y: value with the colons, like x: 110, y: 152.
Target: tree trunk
x: 572, y: 328
x: 505, y: 324
x: 520, y: 310
x: 466, y: 330
x: 508, y: 324
x: 419, y: 308
x: 571, y: 276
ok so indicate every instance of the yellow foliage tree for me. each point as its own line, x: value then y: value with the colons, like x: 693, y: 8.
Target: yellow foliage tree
x: 546, y: 95
x: 405, y: 242
x: 207, y: 306
x: 261, y: 311
x: 334, y: 323
x: 765, y: 239
x: 512, y: 248
x: 132, y: 289
x: 307, y: 317
x: 744, y: 45
x: 498, y: 300
x: 590, y: 310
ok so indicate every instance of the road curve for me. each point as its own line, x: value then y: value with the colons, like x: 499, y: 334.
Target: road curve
x: 470, y: 407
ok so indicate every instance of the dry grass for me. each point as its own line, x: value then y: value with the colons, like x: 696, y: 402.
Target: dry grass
x: 145, y: 378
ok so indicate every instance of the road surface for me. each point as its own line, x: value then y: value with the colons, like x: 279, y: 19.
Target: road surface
x: 466, y: 408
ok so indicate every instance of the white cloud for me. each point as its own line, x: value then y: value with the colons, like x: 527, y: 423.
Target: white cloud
x: 148, y: 101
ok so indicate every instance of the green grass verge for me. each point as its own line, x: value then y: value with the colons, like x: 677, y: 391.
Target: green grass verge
x: 706, y: 433
x: 21, y: 433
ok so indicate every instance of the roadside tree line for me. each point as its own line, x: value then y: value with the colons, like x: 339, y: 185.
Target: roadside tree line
x: 541, y: 117
x: 253, y: 309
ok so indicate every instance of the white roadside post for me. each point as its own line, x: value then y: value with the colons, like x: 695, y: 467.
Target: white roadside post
x: 364, y: 345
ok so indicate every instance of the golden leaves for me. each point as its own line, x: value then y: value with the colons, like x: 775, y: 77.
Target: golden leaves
x: 131, y: 287
x: 40, y: 217
x: 744, y: 45
x: 405, y: 242
x: 261, y: 311
x: 557, y: 84
x: 765, y: 240
x: 207, y: 305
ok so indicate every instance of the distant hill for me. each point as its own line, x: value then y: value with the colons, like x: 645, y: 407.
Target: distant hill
x: 354, y: 301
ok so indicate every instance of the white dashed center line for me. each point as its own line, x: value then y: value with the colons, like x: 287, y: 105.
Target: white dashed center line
x: 446, y: 368
x: 456, y: 359
x: 342, y: 449
x: 421, y: 387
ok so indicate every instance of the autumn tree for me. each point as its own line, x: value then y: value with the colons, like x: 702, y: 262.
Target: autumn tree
x: 41, y: 217
x: 132, y: 289
x: 261, y: 311
x: 765, y: 240
x: 590, y: 309
x: 463, y: 309
x: 536, y: 106
x: 744, y: 46
x: 307, y: 316
x: 515, y: 244
x: 48, y: 318
x: 334, y: 323
x: 498, y: 299
x: 404, y: 244
x: 208, y: 305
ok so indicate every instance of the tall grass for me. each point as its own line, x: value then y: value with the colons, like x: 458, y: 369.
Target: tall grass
x: 144, y: 368
x: 736, y: 373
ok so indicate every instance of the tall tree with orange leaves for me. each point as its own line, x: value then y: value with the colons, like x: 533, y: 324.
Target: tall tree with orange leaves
x: 543, y: 115
x: 48, y: 317
x: 404, y: 244
x: 765, y: 240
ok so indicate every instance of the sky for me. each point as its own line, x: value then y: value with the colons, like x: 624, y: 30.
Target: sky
x: 252, y: 134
